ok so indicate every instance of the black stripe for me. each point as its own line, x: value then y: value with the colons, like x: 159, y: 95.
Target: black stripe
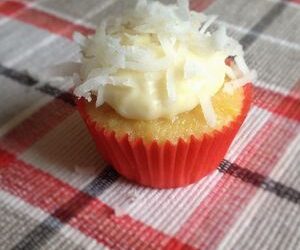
x: 261, y: 181
x: 49, y: 90
x: 57, y: 93
x: 281, y: 190
x: 27, y: 80
x: 262, y: 24
x: 244, y: 174
x: 21, y: 77
x: 102, y: 182
x: 41, y: 234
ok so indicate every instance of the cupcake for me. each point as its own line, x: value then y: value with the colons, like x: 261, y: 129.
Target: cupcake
x: 163, y: 91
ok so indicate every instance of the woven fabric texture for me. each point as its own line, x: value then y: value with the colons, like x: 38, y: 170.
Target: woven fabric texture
x: 47, y: 201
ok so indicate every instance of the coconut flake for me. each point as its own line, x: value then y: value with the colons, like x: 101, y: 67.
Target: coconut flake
x: 112, y: 52
x: 230, y: 73
x: 79, y: 39
x: 122, y: 81
x: 76, y: 79
x: 158, y: 65
x: 197, y: 19
x: 137, y: 54
x: 101, y: 72
x: 167, y: 43
x: 100, y: 34
x: 87, y: 96
x: 208, y: 111
x: 96, y: 81
x: 230, y: 86
x: 100, y: 96
x: 141, y: 5
x: 206, y: 25
x: 90, y: 85
x: 232, y: 47
x: 183, y: 11
x: 220, y: 37
x: 240, y: 62
x: 170, y: 85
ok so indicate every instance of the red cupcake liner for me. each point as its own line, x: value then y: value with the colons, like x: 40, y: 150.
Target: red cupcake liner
x: 166, y: 165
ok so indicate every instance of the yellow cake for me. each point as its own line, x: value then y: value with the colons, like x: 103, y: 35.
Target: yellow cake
x: 227, y: 107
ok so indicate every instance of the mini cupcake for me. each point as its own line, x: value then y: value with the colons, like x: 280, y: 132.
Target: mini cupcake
x: 162, y: 94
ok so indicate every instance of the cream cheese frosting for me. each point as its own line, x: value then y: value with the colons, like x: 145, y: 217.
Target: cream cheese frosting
x: 157, y: 61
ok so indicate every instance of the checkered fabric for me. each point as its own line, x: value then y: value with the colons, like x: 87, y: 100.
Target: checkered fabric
x: 251, y: 202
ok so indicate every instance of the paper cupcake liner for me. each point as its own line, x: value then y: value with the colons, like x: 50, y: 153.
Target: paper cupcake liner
x: 165, y: 165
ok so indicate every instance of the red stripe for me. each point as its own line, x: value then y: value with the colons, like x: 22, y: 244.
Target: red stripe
x: 175, y: 244
x: 287, y: 106
x: 96, y: 219
x: 200, y: 5
x: 295, y: 1
x: 11, y: 8
x: 210, y: 222
x: 35, y: 126
x: 268, y: 145
x: 41, y: 19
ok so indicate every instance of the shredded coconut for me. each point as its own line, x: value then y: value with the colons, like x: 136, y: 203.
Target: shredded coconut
x: 230, y: 86
x: 220, y: 37
x: 118, y: 45
x: 79, y: 39
x: 170, y: 85
x: 206, y: 24
x: 230, y: 72
x: 208, y: 112
x: 240, y: 62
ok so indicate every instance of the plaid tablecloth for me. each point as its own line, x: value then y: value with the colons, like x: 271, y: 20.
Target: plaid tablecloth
x: 46, y: 202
